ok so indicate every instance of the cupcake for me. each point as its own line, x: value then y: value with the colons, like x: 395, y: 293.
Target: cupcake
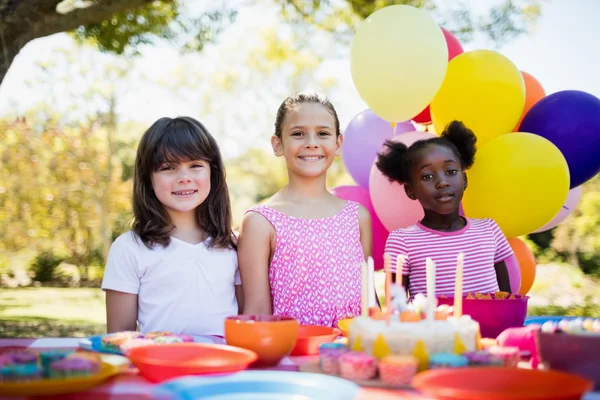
x: 184, y: 337
x: 133, y: 343
x: 20, y: 372
x: 154, y: 335
x: 131, y: 334
x: 329, y: 360
x: 447, y: 360
x: 508, y: 356
x: 48, y: 357
x: 397, y: 370
x: 168, y: 339
x: 482, y: 358
x: 23, y: 357
x: 73, y: 368
x: 357, y: 366
x: 88, y: 355
x: 114, y: 341
x: 5, y: 362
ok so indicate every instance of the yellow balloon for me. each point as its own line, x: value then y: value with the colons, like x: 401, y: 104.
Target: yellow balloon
x: 520, y: 180
x: 483, y: 89
x: 398, y: 60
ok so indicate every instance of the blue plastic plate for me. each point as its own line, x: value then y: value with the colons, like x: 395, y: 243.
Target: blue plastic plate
x: 545, y: 318
x: 259, y: 385
x: 94, y: 343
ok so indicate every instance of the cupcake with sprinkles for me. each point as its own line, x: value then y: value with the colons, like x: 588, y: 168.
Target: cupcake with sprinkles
x: 357, y: 366
x: 23, y: 357
x: 329, y: 354
x: 184, y: 337
x: 73, y: 368
x: 154, y: 335
x: 397, y: 370
x: 168, y: 339
x: 133, y: 343
x: 20, y: 372
x: 447, y: 360
x: 483, y: 358
x: 5, y: 362
x: 48, y: 357
x: 508, y: 356
x: 113, y: 342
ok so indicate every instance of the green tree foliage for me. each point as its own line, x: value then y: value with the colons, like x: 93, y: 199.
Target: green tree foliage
x: 577, y: 239
x: 120, y: 26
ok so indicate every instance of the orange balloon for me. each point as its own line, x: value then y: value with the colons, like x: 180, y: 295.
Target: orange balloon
x: 526, y: 264
x: 534, y: 92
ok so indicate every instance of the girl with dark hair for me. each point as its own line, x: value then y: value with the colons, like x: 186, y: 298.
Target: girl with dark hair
x: 300, y: 252
x: 433, y: 172
x: 176, y: 270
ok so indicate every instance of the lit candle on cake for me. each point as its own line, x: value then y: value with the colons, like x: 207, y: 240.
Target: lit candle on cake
x: 371, y: 282
x: 364, y: 289
x: 430, y: 271
x: 458, y: 285
x: 387, y: 267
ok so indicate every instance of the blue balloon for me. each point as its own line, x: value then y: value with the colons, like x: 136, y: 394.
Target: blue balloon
x: 571, y: 120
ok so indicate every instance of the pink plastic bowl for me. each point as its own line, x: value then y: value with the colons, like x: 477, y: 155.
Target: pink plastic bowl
x: 577, y: 354
x: 494, y: 316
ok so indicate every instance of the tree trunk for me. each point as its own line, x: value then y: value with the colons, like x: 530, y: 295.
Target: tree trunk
x: 9, y: 48
x: 25, y: 20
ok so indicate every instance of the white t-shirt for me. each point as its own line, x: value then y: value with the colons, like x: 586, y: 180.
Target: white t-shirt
x: 181, y: 288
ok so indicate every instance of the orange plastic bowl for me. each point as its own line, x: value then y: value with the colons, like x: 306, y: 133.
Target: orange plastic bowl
x: 493, y: 383
x: 310, y: 337
x: 165, y: 361
x: 271, y: 337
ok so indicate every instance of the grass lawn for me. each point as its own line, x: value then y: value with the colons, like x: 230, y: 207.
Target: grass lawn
x: 51, y: 312
x: 80, y: 312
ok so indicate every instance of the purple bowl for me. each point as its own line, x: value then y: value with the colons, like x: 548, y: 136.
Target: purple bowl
x: 576, y: 354
x: 494, y: 316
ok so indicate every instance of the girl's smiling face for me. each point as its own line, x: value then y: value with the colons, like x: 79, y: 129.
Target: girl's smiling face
x: 308, y: 140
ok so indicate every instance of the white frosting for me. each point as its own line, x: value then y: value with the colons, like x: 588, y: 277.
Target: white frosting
x: 402, y: 337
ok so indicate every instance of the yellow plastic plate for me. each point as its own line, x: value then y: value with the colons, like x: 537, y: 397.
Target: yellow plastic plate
x: 111, y: 365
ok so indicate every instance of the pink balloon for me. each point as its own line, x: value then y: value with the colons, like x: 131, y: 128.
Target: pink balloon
x: 566, y: 210
x: 380, y: 234
x: 393, y: 207
x: 514, y: 273
x: 454, y: 49
x: 363, y: 138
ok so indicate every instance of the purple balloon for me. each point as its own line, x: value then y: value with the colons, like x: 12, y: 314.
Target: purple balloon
x: 571, y: 120
x: 363, y: 139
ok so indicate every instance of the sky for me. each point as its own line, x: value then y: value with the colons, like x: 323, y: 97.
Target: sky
x: 561, y: 52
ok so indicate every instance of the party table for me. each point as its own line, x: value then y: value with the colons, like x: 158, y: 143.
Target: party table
x: 132, y: 386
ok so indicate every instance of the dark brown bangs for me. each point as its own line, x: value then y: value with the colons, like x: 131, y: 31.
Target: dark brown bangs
x: 181, y: 142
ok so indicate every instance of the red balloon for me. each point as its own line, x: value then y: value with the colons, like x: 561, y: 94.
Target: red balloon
x: 454, y: 49
x: 454, y: 46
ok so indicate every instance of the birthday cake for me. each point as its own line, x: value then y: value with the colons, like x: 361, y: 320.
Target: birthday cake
x: 381, y: 338
x: 418, y: 328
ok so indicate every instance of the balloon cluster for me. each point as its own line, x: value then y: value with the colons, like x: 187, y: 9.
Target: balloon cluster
x: 534, y: 150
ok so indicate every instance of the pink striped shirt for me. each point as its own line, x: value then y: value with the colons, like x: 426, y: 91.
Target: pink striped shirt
x: 481, y: 241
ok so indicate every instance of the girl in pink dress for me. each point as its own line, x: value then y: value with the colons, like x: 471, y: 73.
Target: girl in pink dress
x: 300, y: 252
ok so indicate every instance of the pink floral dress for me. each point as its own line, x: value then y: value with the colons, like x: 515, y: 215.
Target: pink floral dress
x: 315, y: 273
